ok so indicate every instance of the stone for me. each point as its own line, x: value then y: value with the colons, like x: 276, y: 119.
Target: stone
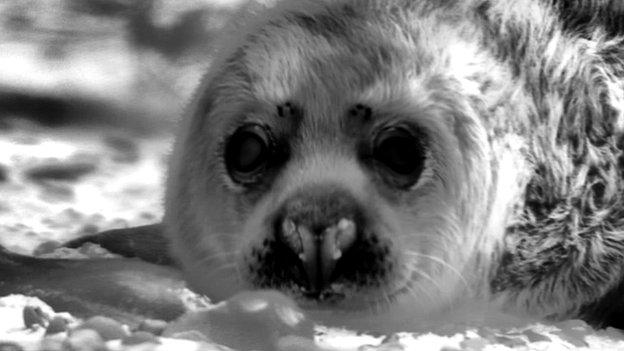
x: 60, y: 171
x: 510, y: 341
x: 33, y: 316
x: 107, y: 328
x: 535, y: 337
x: 154, y: 326
x: 125, y: 149
x: 46, y: 247
x: 57, y: 325
x: 84, y: 340
x: 4, y: 173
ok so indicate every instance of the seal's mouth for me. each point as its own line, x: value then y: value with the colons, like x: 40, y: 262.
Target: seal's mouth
x: 356, y: 276
x: 346, y: 298
x: 329, y: 297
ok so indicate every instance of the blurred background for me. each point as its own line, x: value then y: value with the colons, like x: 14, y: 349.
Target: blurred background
x: 90, y: 93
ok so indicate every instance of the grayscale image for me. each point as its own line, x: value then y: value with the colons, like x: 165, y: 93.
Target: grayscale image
x: 311, y: 175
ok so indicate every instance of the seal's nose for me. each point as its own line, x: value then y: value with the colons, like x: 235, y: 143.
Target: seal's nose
x: 318, y: 225
x: 318, y: 251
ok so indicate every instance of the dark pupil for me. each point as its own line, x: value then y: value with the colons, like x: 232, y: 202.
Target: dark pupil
x: 249, y: 152
x: 400, y: 152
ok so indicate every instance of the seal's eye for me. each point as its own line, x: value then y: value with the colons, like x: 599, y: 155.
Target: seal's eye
x: 247, y: 152
x: 400, y: 152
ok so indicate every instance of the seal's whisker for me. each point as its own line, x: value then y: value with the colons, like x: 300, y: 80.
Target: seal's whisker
x: 386, y: 299
x: 420, y: 272
x: 221, y: 267
x: 416, y: 294
x: 227, y: 255
x: 441, y: 262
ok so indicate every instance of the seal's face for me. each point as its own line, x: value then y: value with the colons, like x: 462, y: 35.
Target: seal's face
x: 341, y: 163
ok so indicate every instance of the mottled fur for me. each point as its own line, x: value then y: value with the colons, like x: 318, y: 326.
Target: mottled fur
x: 564, y: 247
x: 523, y: 110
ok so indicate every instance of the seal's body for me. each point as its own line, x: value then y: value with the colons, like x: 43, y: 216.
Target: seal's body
x: 365, y: 155
x: 368, y: 154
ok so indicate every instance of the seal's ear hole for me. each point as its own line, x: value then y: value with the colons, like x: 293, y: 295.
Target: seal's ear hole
x: 248, y: 152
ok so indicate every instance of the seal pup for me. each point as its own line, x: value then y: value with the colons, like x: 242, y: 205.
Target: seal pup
x: 370, y: 155
x: 365, y: 156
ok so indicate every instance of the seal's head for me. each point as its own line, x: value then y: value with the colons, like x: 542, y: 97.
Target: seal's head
x: 338, y: 153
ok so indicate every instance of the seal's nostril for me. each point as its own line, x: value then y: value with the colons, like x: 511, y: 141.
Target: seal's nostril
x: 346, y: 234
x: 337, y: 238
x: 290, y: 236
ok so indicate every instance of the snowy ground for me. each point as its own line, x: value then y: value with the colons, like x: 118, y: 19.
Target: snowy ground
x: 64, y: 183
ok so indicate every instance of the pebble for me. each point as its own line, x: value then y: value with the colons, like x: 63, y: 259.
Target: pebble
x: 60, y: 171
x: 391, y: 343
x: 57, y: 325
x: 46, y: 247
x: 69, y: 215
x: 56, y: 192
x: 4, y: 173
x: 107, y: 328
x: 87, y: 229
x: 140, y: 337
x: 535, y: 337
x: 148, y: 216
x: 154, y: 326
x: 84, y: 340
x: 126, y: 150
x: 510, y: 342
x: 33, y: 315
x: 9, y: 346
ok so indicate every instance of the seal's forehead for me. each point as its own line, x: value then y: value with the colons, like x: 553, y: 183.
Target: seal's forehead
x: 328, y: 60
x: 330, y: 55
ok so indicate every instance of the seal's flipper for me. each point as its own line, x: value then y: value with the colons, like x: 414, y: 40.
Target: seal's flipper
x: 129, y: 290
x: 145, y: 242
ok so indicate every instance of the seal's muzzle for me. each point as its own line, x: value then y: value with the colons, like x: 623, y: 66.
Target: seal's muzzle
x: 319, y: 225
